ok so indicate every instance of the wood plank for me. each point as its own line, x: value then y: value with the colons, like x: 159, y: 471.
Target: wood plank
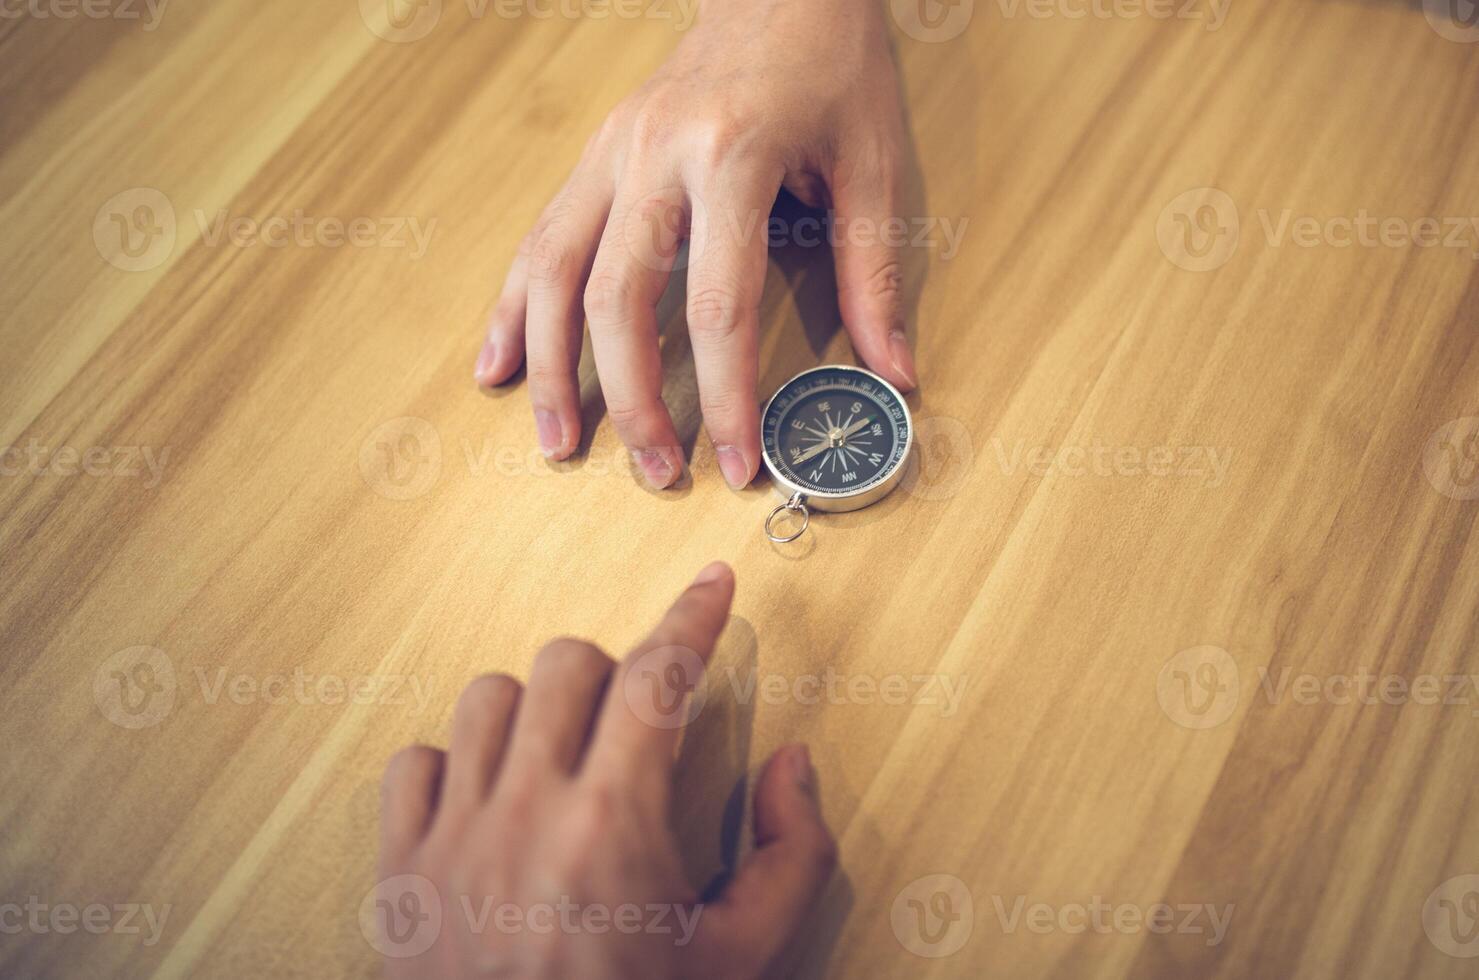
x: 1123, y: 459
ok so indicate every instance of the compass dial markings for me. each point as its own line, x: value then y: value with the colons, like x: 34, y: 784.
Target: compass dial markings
x: 835, y: 431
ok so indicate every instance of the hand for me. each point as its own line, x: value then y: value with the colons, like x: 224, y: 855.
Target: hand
x: 539, y: 844
x: 760, y: 94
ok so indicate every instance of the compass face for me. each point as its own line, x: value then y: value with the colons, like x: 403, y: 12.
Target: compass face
x: 836, y: 432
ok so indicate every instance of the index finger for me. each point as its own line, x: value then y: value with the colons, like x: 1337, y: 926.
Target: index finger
x: 658, y: 689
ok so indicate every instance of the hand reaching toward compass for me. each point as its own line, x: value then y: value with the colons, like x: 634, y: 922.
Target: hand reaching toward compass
x: 761, y: 94
x: 539, y: 844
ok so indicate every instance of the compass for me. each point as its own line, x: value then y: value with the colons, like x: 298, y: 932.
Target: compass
x: 835, y: 438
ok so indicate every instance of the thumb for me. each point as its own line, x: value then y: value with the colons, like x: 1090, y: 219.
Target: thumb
x: 775, y: 890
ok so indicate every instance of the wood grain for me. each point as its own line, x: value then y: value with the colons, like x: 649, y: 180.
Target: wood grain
x: 334, y: 496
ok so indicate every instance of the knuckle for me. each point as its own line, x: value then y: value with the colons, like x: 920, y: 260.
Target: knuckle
x: 600, y: 142
x: 718, y: 135
x: 611, y: 127
x: 885, y: 283
x: 558, y: 212
x: 467, y: 879
x: 490, y: 873
x: 874, y: 161
x: 597, y: 810
x: 568, y: 655
x: 516, y: 797
x: 608, y: 296
x: 551, y: 259
x: 546, y: 376
x: 629, y: 416
x: 717, y: 312
x: 885, y: 172
x: 488, y: 696
x: 722, y: 406
x: 651, y: 124
x: 588, y: 825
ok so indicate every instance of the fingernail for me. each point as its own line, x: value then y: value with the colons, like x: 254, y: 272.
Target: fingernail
x: 551, y: 435
x: 713, y: 572
x: 802, y: 770
x: 654, y: 466
x: 734, y: 467
x: 485, y: 363
x: 898, y: 345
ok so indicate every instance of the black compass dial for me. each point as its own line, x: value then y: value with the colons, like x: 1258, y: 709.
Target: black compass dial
x: 836, y: 431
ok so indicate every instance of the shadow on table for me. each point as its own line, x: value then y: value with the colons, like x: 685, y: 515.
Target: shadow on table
x: 810, y: 274
x: 712, y: 807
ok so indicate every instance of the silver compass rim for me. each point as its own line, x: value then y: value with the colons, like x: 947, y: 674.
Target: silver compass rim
x: 839, y: 502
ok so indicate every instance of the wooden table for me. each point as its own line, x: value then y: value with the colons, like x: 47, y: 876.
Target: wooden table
x: 1191, y: 537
